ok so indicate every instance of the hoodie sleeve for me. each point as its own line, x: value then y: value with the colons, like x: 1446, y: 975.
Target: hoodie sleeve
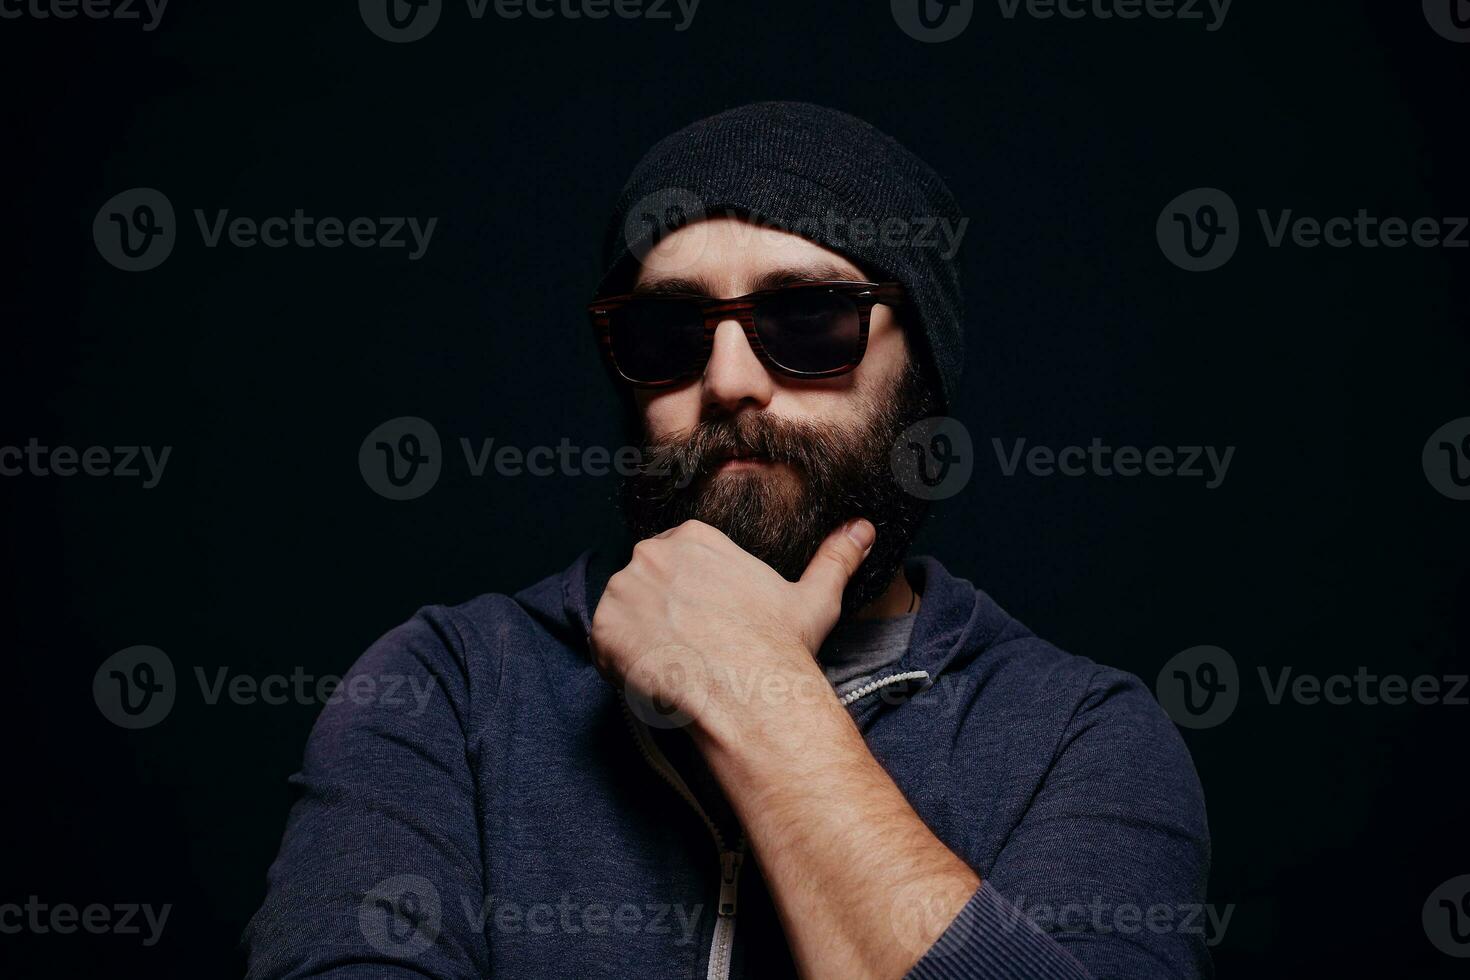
x: 1104, y: 875
x: 382, y: 842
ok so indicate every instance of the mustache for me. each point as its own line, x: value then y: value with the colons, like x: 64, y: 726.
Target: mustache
x: 688, y: 456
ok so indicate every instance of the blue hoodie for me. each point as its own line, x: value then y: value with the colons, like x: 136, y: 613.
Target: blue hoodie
x: 511, y: 817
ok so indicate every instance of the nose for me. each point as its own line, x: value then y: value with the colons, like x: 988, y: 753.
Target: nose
x: 734, y: 378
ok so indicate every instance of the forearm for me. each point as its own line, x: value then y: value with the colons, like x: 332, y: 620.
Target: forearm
x: 862, y: 886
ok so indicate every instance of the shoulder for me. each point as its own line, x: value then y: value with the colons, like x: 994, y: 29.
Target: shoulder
x: 1077, y: 719
x: 462, y: 646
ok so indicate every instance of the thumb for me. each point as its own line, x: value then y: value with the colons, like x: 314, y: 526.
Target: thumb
x: 839, y: 556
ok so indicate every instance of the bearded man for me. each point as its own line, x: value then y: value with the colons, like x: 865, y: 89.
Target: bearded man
x: 765, y: 714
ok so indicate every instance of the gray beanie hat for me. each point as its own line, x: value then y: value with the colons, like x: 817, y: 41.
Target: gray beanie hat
x: 821, y: 174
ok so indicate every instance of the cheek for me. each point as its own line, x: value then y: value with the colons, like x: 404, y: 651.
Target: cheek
x: 668, y: 410
x: 887, y: 351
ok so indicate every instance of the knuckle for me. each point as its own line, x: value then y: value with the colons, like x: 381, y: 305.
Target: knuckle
x: 610, y: 590
x: 695, y: 529
x: 598, y: 633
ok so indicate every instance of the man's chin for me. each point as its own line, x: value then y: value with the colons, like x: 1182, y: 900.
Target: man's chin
x: 755, y: 476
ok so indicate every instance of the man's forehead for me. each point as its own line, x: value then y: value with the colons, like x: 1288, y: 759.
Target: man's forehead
x: 720, y: 282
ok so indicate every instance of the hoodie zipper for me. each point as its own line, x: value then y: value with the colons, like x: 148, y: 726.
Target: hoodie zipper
x: 873, y: 687
x: 723, y: 944
x: 731, y: 859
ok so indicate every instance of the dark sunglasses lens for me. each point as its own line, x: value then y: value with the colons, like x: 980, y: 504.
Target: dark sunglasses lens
x: 810, y: 331
x: 657, y: 340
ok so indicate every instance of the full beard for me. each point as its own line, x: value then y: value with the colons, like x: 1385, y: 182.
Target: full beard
x: 813, y: 479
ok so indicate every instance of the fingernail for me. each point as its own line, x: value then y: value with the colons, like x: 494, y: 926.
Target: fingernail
x: 862, y: 533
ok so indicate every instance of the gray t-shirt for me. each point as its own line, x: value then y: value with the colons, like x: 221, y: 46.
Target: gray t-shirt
x: 855, y: 651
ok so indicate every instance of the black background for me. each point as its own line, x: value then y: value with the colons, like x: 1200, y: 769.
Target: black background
x: 262, y: 548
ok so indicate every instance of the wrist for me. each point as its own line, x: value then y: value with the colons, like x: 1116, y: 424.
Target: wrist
x: 771, y: 718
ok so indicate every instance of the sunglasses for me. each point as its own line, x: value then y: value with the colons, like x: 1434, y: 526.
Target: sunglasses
x: 802, y: 330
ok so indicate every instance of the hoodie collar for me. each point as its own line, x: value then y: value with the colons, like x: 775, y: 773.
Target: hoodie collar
x: 583, y: 582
